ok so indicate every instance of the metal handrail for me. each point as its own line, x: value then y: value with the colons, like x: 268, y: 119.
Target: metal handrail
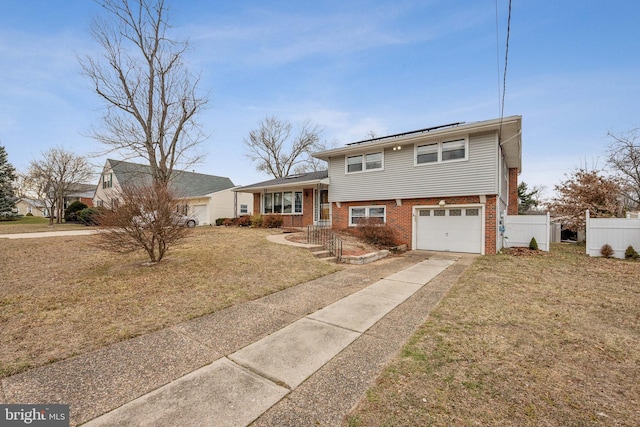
x: 319, y: 235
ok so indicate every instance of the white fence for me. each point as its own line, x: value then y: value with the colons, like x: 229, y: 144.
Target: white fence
x: 618, y: 233
x: 519, y: 229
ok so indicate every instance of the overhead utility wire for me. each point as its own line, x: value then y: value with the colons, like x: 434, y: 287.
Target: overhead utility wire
x: 504, y: 78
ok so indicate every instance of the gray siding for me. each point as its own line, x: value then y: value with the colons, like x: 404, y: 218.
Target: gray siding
x: 401, y: 179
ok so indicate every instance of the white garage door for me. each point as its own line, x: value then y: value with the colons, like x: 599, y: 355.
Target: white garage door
x: 200, y: 212
x: 449, y: 229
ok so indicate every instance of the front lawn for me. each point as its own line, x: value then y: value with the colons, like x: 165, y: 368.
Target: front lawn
x: 521, y: 341
x: 35, y: 224
x: 60, y: 296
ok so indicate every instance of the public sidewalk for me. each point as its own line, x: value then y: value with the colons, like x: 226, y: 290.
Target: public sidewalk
x: 301, y: 357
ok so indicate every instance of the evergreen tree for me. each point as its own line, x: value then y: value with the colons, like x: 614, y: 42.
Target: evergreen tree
x: 7, y: 176
x: 526, y: 199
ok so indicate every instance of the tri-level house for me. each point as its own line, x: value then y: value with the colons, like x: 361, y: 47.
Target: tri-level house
x: 443, y: 188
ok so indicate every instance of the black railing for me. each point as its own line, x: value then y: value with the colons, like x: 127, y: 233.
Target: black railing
x: 318, y: 235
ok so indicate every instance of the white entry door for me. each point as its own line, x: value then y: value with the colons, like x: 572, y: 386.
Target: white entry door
x: 449, y: 229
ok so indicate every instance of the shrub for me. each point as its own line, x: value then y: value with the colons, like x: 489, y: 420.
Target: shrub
x: 272, y: 221
x: 381, y: 235
x: 71, y: 212
x: 29, y: 214
x: 220, y: 221
x: 533, y: 244
x: 228, y: 222
x: 89, y: 216
x: 243, y: 221
x: 256, y: 221
x: 606, y: 251
x: 631, y: 253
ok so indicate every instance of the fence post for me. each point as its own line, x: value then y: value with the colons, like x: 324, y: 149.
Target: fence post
x: 548, y: 232
x: 586, y: 231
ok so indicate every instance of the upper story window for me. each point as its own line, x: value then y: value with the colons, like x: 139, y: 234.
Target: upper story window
x: 442, y: 151
x: 365, y: 162
x: 107, y: 180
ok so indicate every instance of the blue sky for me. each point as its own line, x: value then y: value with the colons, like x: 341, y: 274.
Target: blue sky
x: 351, y: 67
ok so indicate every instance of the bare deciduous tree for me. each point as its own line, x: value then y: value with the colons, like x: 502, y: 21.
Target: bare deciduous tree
x: 152, y: 104
x: 152, y: 98
x: 276, y: 152
x: 54, y: 176
x: 624, y: 159
x: 586, y: 190
x: 146, y: 218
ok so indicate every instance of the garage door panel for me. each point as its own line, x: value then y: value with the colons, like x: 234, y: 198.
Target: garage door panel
x: 456, y: 233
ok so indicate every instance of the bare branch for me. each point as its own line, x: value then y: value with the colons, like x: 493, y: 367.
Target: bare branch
x: 274, y: 152
x: 151, y: 97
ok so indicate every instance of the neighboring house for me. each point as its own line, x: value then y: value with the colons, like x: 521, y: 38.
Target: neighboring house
x: 34, y: 207
x: 80, y: 192
x: 444, y: 188
x: 207, y: 197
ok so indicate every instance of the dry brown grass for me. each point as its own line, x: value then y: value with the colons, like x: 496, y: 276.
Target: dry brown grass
x: 61, y: 296
x: 525, y: 341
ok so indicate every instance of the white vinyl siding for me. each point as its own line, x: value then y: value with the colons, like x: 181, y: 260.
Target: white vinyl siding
x: 402, y: 179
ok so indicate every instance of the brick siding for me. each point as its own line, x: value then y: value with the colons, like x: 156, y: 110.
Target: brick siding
x: 401, y: 217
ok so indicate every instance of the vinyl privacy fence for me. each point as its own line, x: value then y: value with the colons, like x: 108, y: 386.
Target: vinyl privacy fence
x: 519, y: 229
x: 618, y: 233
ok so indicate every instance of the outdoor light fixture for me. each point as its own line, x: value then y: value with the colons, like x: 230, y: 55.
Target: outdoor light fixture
x: 397, y: 148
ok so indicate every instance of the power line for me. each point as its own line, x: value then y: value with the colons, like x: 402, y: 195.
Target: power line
x: 501, y: 97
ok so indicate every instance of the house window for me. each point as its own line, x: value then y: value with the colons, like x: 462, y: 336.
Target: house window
x: 455, y: 212
x: 427, y: 153
x: 373, y: 161
x: 453, y: 150
x: 268, y: 203
x: 287, y: 202
x: 358, y: 214
x: 354, y: 164
x: 107, y: 180
x: 297, y: 207
x: 244, y: 209
x: 277, y: 202
x: 365, y: 162
x: 444, y: 151
x: 472, y: 212
x: 438, y: 212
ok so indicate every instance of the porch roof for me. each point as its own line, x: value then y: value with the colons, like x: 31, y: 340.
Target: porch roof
x: 292, y: 181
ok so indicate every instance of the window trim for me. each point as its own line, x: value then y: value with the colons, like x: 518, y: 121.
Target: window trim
x: 367, y: 210
x: 440, y: 143
x: 363, y: 162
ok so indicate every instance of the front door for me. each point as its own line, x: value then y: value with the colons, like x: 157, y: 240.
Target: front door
x: 322, y: 208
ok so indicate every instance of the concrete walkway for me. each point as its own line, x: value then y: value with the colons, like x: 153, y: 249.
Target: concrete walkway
x: 39, y: 234
x: 301, y: 357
